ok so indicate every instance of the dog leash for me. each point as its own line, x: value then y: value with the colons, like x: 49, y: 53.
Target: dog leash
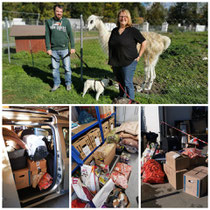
x: 131, y: 100
x: 68, y: 54
x: 81, y: 59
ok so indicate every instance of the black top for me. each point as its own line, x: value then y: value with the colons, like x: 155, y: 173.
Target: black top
x: 122, y: 48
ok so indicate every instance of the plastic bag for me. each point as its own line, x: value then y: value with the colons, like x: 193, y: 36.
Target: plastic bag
x: 103, y: 194
x: 119, y: 179
x: 85, y: 117
x: 45, y: 182
x: 152, y: 172
x: 77, y: 203
x: 123, y: 169
x: 37, y: 149
x: 81, y: 190
x: 89, y: 178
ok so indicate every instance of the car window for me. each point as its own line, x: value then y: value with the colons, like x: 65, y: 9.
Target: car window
x: 66, y: 139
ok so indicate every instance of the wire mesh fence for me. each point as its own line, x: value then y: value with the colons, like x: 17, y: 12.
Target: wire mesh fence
x: 181, y: 71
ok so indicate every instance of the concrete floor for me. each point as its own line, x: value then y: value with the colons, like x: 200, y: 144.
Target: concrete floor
x: 133, y: 185
x: 59, y: 202
x: 165, y: 196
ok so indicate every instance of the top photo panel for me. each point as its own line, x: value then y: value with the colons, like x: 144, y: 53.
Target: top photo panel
x: 105, y: 53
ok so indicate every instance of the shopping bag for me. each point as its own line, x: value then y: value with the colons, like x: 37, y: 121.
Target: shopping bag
x: 81, y: 190
x: 89, y: 178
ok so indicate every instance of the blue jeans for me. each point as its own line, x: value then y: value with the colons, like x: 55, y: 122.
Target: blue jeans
x: 57, y: 54
x: 124, y: 76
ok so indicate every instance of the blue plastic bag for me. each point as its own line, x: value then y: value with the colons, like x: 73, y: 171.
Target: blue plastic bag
x: 85, y: 117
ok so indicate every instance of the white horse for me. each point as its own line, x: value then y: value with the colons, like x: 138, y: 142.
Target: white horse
x: 156, y: 44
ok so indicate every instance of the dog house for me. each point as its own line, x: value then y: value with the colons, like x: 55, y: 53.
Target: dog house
x: 29, y: 38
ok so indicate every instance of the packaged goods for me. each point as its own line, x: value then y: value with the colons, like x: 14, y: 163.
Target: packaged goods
x: 89, y: 178
x: 125, y: 157
x: 81, y: 190
x: 45, y: 182
x: 123, y: 169
x: 102, y: 152
x: 119, y: 179
x: 152, y: 172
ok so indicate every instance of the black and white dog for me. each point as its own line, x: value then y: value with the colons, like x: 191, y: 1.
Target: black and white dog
x: 97, y: 86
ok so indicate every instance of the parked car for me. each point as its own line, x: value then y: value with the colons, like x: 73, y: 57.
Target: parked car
x: 53, y: 130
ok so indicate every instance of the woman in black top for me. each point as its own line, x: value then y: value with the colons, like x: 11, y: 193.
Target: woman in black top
x: 123, y: 54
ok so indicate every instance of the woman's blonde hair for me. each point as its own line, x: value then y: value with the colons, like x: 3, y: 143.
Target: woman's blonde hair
x: 129, y: 17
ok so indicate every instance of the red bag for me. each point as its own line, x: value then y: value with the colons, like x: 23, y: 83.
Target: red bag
x: 77, y: 203
x: 45, y: 181
x: 152, y: 172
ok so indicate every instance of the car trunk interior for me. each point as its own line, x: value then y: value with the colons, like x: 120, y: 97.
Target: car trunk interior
x: 31, y: 190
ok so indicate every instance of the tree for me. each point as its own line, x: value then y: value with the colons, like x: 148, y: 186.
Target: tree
x: 156, y: 15
x: 203, y: 15
x: 188, y: 13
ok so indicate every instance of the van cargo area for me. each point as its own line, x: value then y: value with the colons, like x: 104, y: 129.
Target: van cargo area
x: 32, y: 158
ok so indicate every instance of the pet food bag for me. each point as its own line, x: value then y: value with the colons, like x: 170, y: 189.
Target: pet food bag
x: 81, y: 190
x: 89, y: 178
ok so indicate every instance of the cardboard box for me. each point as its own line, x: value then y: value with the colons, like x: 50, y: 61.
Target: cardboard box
x: 38, y: 171
x: 36, y: 166
x: 22, y: 178
x: 84, y: 146
x: 89, y: 159
x: 175, y: 178
x: 198, y: 161
x: 105, y: 127
x: 196, y: 181
x: 105, y: 111
x: 176, y: 161
x: 95, y: 137
x: 108, y: 159
x: 111, y: 123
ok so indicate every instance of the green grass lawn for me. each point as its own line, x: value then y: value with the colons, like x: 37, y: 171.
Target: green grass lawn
x: 182, y: 75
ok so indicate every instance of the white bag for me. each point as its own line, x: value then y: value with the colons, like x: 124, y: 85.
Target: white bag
x: 103, y: 194
x: 89, y: 178
x: 81, y: 190
x: 37, y: 149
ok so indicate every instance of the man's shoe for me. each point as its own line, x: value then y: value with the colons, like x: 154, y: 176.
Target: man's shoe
x: 68, y: 87
x: 55, y: 87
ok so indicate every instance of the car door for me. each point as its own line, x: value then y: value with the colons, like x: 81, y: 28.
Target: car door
x: 23, y: 117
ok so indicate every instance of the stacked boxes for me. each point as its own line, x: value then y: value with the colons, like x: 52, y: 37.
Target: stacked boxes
x: 176, y: 165
x: 105, y: 127
x: 22, y: 178
x: 35, y: 167
x: 111, y: 123
x: 105, y: 111
x: 84, y: 146
x: 196, y: 181
x: 95, y: 137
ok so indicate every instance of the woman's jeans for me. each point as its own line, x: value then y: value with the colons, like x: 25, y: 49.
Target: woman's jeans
x: 56, y: 55
x: 124, y: 76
